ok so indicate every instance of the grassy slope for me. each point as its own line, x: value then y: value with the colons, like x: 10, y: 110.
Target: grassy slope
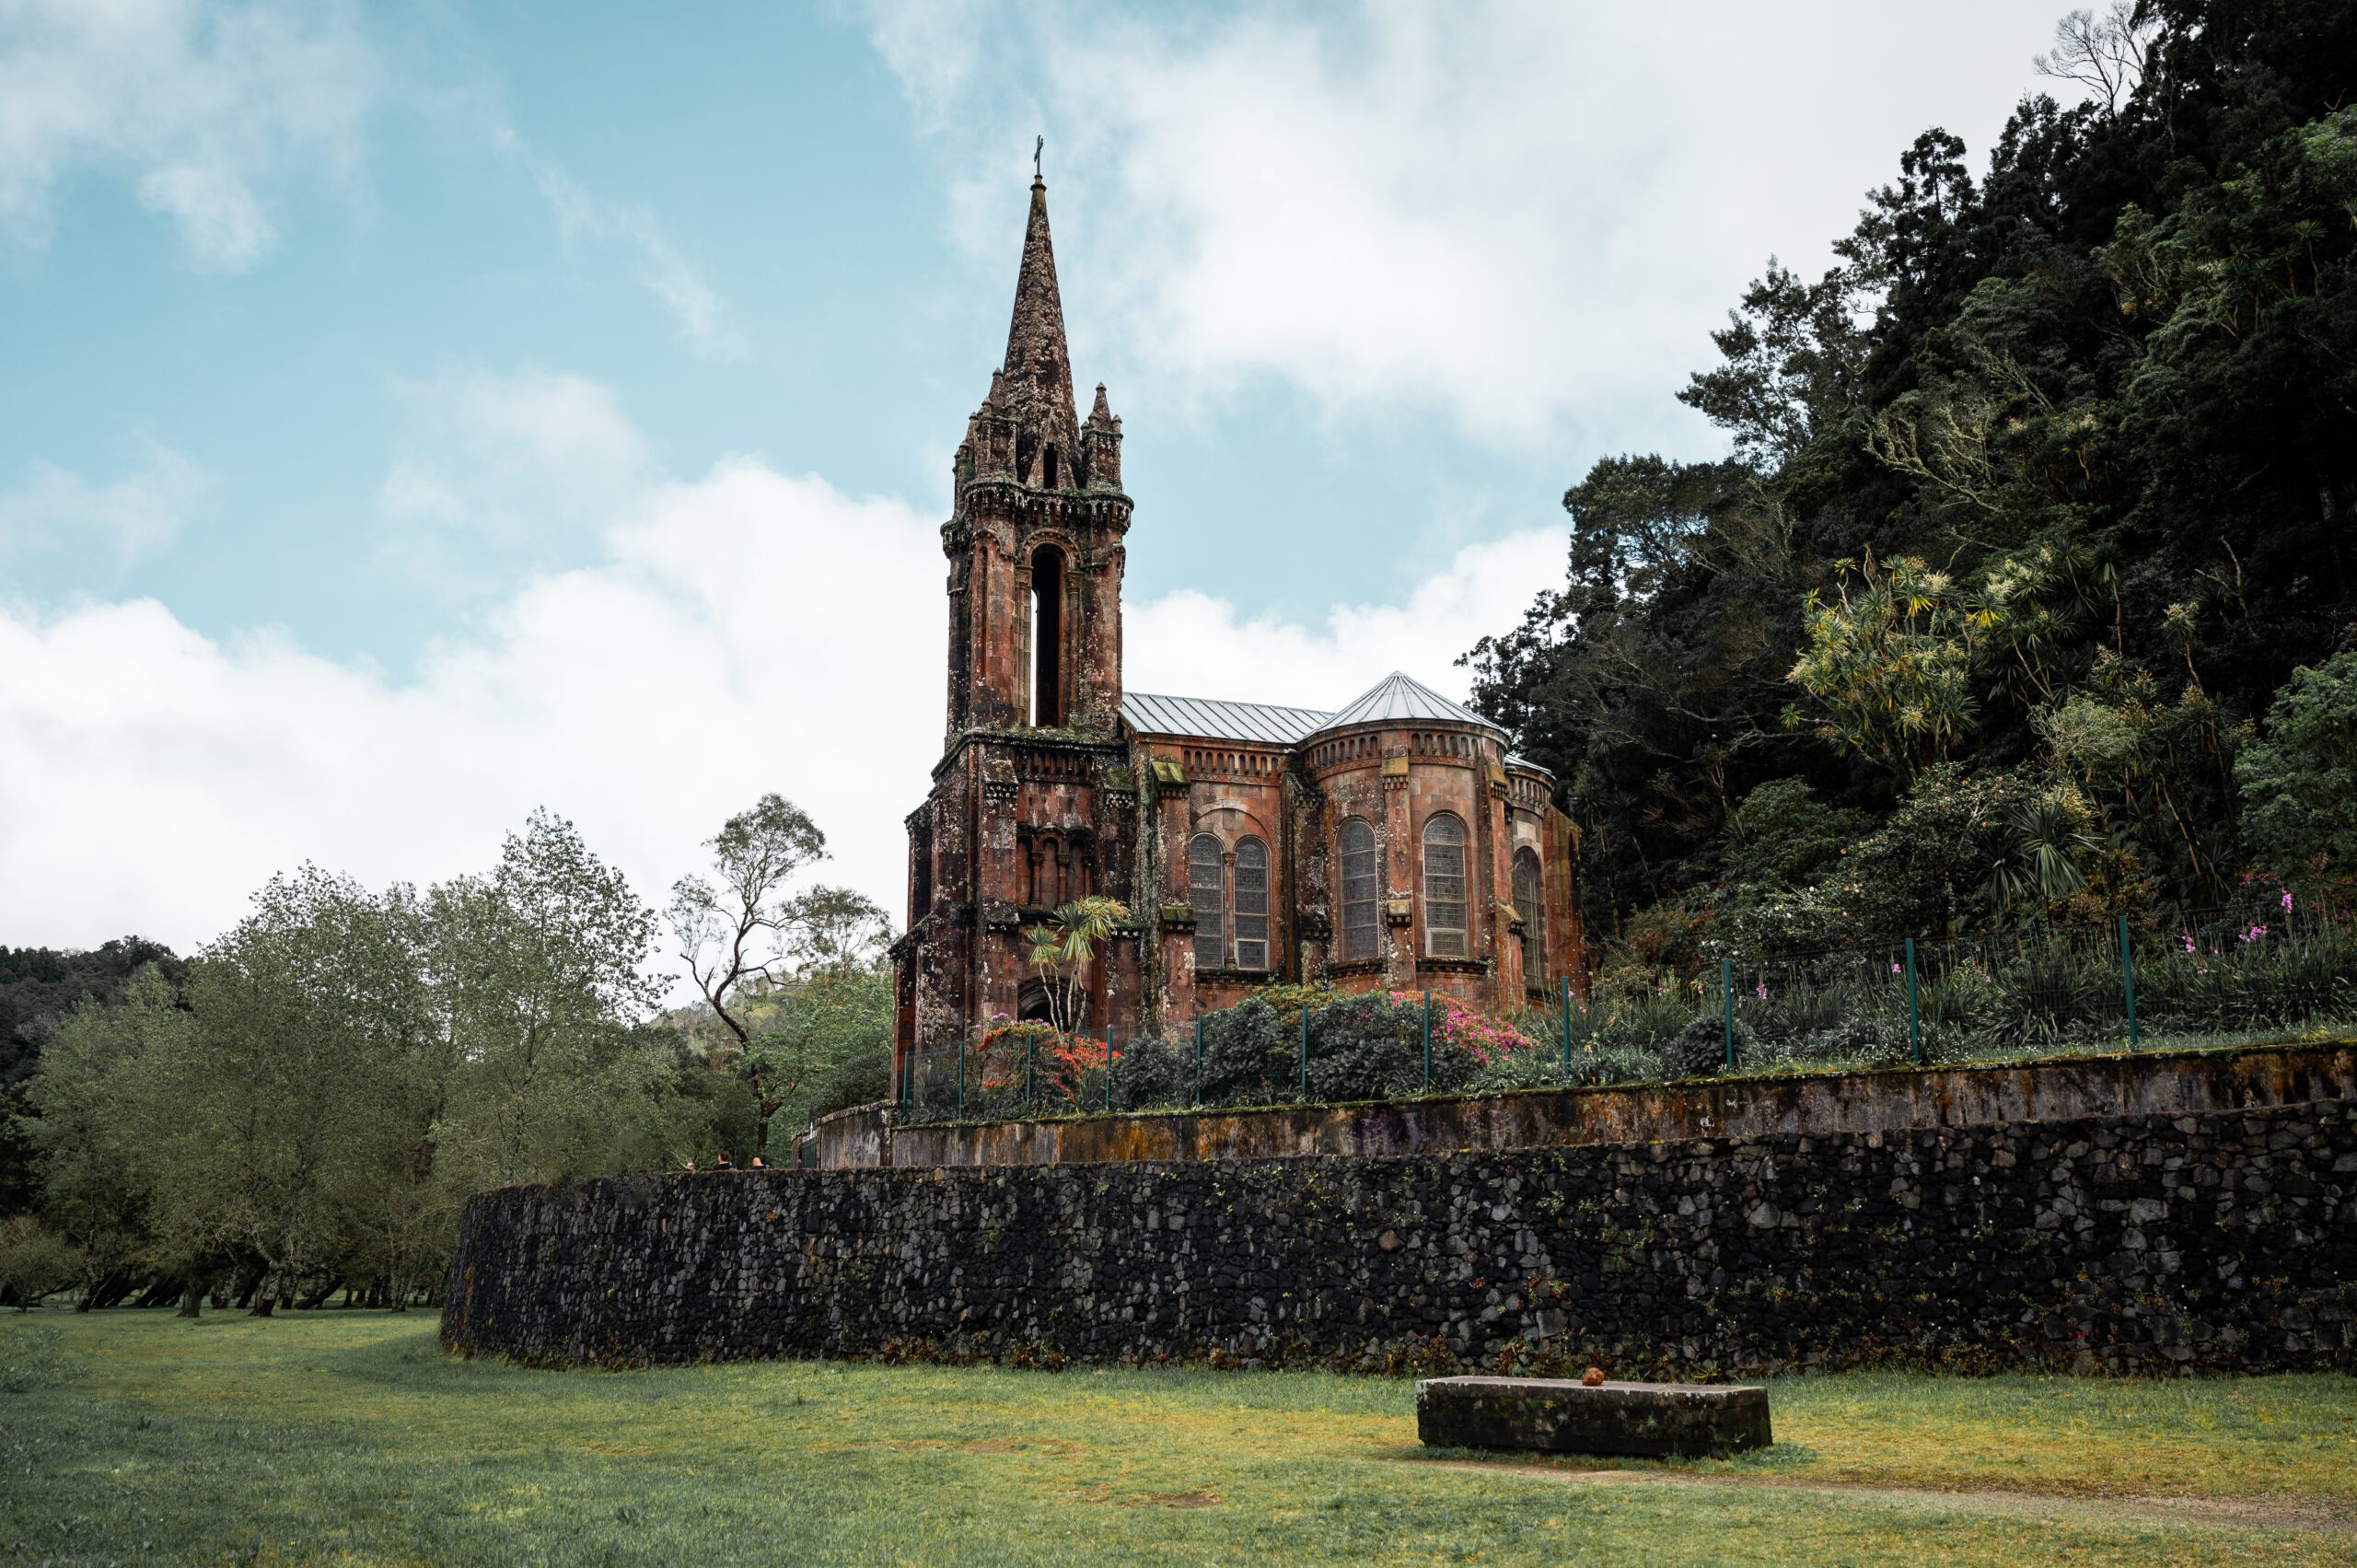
x: 348, y: 1437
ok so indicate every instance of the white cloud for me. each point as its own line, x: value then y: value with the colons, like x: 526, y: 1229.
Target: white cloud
x: 1524, y: 213
x: 493, y: 470
x: 933, y: 46
x: 203, y: 104
x: 56, y: 512
x: 1195, y: 645
x: 743, y: 632
x: 695, y: 309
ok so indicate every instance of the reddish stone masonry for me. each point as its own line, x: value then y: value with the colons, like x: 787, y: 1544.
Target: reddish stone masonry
x: 1226, y: 827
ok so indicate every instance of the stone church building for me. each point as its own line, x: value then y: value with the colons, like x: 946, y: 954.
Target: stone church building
x: 1393, y: 843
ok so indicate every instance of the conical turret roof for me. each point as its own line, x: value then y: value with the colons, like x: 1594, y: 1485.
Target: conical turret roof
x: 1037, y: 385
x: 1399, y: 699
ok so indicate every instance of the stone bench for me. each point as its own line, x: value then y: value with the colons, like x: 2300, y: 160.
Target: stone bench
x: 1654, y: 1419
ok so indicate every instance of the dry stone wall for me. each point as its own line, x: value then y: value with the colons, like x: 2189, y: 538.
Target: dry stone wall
x: 2145, y: 1244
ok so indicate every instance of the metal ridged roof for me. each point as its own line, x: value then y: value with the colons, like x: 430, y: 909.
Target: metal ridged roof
x: 1396, y: 699
x: 1209, y: 719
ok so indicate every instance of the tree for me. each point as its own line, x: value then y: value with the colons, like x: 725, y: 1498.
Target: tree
x: 306, y: 1017
x: 832, y: 1021
x: 2299, y: 784
x: 1062, y: 948
x: 94, y: 1180
x: 34, y: 1263
x: 2107, y: 54
x: 38, y: 987
x: 537, y: 990
x: 745, y: 928
x: 1886, y: 671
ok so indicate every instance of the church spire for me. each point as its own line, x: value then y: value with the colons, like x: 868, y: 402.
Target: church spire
x: 1039, y: 365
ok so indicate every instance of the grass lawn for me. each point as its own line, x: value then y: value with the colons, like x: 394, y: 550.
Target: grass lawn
x: 348, y: 1437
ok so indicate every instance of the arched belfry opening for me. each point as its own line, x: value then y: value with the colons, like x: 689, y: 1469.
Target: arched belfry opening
x: 1048, y: 634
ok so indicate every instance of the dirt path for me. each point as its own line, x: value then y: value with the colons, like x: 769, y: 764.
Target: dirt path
x: 2246, y: 1512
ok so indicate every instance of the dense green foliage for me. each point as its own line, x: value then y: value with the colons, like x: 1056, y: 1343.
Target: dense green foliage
x: 331, y: 1076
x: 38, y: 987
x: 2299, y: 784
x: 348, y: 1437
x: 306, y: 1104
x: 2037, y: 501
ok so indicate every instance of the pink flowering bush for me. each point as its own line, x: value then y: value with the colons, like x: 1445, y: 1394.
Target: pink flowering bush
x: 1457, y: 1027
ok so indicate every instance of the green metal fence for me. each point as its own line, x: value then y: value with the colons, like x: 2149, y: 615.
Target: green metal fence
x: 2208, y: 978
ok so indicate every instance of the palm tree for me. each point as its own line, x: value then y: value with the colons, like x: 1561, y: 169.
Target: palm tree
x: 1062, y: 948
x: 2039, y: 862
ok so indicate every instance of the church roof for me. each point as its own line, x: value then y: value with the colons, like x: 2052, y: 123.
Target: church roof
x: 1396, y: 699
x: 1209, y: 718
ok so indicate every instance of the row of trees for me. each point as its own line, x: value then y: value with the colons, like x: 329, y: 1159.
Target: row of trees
x: 2029, y: 589
x: 306, y: 1104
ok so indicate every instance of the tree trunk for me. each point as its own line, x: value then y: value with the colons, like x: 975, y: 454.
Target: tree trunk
x: 319, y: 1298
x: 192, y: 1295
x: 110, y: 1291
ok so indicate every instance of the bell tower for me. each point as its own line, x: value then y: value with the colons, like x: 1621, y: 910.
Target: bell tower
x: 1034, y: 803
x: 1035, y: 541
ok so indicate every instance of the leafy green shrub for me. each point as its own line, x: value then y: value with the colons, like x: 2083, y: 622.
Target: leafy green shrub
x: 35, y: 1263
x: 1150, y: 1073
x: 1371, y: 1047
x: 862, y: 1078
x: 1290, y: 997
x: 2299, y: 785
x: 1699, y: 1049
x: 1249, y: 1056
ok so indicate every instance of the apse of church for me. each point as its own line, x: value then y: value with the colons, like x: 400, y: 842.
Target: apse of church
x: 1393, y: 843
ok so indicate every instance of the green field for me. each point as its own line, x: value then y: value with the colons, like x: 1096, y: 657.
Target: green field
x: 348, y: 1437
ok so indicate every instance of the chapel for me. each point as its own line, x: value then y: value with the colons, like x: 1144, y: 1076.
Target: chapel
x: 1395, y: 841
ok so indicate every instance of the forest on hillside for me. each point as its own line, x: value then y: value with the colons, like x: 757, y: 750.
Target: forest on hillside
x: 2025, y: 593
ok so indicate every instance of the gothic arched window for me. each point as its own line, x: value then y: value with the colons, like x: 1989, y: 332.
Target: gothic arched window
x: 1444, y: 932
x: 1047, y: 636
x: 1204, y: 895
x: 1531, y: 909
x: 1359, y: 890
x: 1252, y: 905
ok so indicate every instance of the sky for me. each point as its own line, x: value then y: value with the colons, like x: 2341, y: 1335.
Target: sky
x: 414, y: 415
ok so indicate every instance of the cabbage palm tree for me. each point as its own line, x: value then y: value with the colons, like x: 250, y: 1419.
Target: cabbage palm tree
x: 1062, y: 948
x: 2039, y: 860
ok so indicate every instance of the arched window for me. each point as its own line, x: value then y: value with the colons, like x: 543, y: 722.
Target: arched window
x: 1252, y: 905
x: 1445, y: 887
x: 1529, y: 906
x: 1047, y: 636
x: 1359, y: 888
x: 1051, y: 467
x: 1203, y: 895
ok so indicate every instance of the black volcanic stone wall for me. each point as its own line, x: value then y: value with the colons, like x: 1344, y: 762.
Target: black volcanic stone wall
x: 2145, y: 1244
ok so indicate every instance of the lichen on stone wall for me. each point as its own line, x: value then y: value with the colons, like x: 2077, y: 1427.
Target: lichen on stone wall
x: 2126, y: 1244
